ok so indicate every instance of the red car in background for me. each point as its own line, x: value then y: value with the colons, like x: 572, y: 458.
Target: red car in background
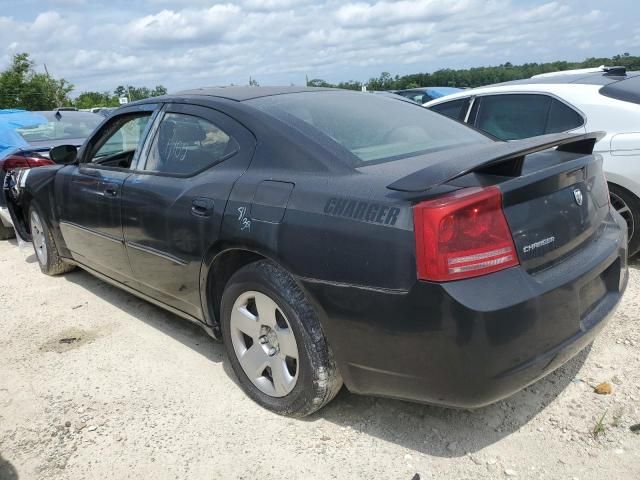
x: 28, y: 146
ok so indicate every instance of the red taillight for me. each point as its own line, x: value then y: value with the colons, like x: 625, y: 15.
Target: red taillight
x: 462, y: 235
x: 20, y: 161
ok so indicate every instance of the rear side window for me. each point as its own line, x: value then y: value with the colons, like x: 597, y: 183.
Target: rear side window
x: 364, y: 128
x: 562, y: 118
x: 185, y: 145
x: 512, y: 117
x: 626, y: 90
x: 456, y: 109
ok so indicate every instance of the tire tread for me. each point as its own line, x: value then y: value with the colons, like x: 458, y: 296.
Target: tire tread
x: 55, y: 264
x: 326, y: 380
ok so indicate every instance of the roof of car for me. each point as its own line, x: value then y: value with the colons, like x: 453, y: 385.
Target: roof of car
x: 246, y: 93
x: 555, y: 82
x: 424, y: 89
x: 586, y: 78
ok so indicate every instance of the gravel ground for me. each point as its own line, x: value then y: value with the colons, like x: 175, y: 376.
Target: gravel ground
x: 144, y: 394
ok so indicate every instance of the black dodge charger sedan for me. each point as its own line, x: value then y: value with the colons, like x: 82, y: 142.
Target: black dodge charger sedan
x: 329, y: 236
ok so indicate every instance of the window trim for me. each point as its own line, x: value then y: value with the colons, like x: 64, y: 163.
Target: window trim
x: 471, y: 101
x: 150, y: 139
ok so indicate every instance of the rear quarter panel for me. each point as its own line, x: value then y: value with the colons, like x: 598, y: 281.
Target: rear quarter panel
x: 334, y: 229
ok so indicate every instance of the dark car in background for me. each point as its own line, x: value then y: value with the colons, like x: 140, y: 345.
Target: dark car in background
x: 56, y: 128
x: 426, y: 94
x: 331, y: 236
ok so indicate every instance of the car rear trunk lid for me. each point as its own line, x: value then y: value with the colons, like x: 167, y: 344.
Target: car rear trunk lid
x: 553, y: 200
x: 553, y: 211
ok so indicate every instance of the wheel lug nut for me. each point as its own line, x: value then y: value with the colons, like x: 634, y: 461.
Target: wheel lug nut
x: 263, y: 339
x: 272, y: 351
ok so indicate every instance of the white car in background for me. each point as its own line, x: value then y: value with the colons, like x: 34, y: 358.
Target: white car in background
x: 596, y: 99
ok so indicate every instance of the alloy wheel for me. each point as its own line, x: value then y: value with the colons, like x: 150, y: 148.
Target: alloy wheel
x: 623, y: 209
x: 264, y: 343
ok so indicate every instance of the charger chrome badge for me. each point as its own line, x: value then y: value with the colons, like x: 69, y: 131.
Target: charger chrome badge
x: 531, y: 247
x: 577, y: 194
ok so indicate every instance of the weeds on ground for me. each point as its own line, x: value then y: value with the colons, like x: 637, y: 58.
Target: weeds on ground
x: 599, y: 427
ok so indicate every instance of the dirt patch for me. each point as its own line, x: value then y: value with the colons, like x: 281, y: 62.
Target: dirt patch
x: 69, y: 339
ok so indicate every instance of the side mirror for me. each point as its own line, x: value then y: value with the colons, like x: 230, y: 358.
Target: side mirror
x: 63, y: 154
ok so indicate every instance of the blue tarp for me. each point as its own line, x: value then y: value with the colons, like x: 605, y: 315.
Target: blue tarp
x: 10, y: 120
x: 437, y: 92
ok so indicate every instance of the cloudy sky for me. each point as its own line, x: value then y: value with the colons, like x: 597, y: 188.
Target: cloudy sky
x: 98, y: 45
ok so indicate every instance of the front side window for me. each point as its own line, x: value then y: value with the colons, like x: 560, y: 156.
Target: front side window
x: 371, y: 128
x: 185, y: 145
x: 456, y: 109
x: 513, y: 117
x: 120, y: 140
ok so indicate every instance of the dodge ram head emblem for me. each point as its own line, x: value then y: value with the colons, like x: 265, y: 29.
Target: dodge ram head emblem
x: 577, y: 194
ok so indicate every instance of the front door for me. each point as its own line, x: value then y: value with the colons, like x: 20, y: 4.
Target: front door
x: 90, y: 216
x: 173, y: 204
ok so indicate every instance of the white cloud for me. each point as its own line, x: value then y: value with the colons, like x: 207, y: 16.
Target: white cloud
x: 187, y: 43
x: 393, y: 13
x: 459, y: 48
x: 170, y: 25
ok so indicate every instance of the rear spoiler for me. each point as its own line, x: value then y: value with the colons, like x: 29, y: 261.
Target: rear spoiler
x: 450, y: 164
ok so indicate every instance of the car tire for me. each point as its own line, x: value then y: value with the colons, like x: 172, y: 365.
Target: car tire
x: 264, y: 310
x: 627, y: 205
x: 44, y: 246
x: 6, y: 232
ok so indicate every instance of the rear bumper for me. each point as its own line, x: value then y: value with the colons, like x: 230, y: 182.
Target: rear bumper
x: 470, y: 343
x: 5, y: 216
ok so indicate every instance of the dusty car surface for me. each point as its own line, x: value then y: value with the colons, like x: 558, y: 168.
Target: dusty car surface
x: 331, y: 236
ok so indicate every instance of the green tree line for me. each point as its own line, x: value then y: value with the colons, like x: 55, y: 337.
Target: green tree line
x: 477, y: 76
x: 108, y: 99
x: 22, y: 87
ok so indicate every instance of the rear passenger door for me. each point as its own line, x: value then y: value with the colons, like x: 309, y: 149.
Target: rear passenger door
x: 519, y: 115
x: 172, y: 205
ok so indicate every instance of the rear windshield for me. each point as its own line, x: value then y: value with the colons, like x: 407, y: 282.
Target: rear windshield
x: 626, y: 90
x: 61, y: 126
x: 372, y: 128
